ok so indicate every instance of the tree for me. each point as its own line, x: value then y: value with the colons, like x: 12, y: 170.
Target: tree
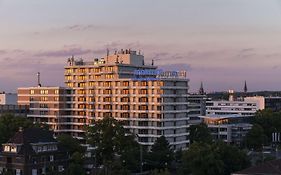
x: 200, y: 133
x: 217, y: 158
x: 76, y: 164
x: 161, y: 154
x: 112, y: 143
x: 10, y: 124
x: 70, y: 144
x: 255, y: 138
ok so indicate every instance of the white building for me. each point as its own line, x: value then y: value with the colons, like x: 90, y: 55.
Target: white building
x: 8, y: 98
x: 247, y: 107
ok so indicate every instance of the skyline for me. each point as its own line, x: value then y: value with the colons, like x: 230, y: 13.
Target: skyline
x: 219, y: 43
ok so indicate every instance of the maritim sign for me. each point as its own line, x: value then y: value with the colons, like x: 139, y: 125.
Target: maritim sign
x: 156, y: 74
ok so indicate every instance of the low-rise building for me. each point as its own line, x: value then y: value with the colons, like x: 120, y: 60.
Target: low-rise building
x: 245, y: 107
x: 229, y: 128
x: 32, y: 151
x: 8, y: 98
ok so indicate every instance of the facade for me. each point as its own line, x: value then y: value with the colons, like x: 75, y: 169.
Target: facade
x: 150, y: 102
x: 273, y: 103
x: 196, y: 107
x: 246, y: 107
x: 8, y: 98
x: 17, y: 110
x: 229, y: 128
x: 52, y: 106
x: 32, y: 151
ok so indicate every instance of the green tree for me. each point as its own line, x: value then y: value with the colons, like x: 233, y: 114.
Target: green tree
x: 112, y: 143
x: 217, y: 158
x: 200, y: 133
x: 10, y: 124
x: 161, y: 154
x: 76, y: 164
x: 70, y: 144
x: 255, y: 138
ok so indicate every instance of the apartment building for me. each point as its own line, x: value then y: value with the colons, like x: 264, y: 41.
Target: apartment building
x: 52, y: 106
x: 149, y: 102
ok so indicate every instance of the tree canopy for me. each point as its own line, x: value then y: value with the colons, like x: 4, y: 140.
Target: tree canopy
x: 112, y: 144
x: 161, y: 154
x: 213, y: 159
x: 200, y: 133
x: 10, y: 124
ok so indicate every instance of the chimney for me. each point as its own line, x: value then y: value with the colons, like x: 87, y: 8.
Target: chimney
x: 38, y: 79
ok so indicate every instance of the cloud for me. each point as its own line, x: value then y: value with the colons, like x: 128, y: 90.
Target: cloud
x: 65, y: 52
x: 175, y: 67
x: 79, y: 27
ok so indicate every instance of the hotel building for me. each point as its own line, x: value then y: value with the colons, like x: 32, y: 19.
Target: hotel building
x: 149, y: 102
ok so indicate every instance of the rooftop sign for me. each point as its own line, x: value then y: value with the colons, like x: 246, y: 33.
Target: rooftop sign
x: 152, y: 74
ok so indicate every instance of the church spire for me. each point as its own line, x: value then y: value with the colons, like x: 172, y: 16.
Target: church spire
x: 245, y: 87
x: 201, y: 90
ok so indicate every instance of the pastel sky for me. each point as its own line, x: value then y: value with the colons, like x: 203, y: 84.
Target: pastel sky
x: 220, y: 42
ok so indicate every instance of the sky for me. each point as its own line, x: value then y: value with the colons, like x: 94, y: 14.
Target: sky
x: 221, y: 43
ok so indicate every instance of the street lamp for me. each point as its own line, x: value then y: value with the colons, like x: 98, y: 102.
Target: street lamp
x: 141, y: 157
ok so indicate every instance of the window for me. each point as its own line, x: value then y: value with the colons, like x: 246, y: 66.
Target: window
x: 44, y: 91
x: 44, y: 99
x: 125, y: 83
x: 56, y: 91
x: 51, y: 158
x: 34, y: 171
x: 60, y: 168
x: 125, y: 91
x: 143, y: 99
x: 125, y: 99
x: 143, y: 91
x: 31, y: 91
x: 7, y: 148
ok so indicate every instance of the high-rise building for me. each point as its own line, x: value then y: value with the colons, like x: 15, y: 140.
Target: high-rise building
x: 149, y: 101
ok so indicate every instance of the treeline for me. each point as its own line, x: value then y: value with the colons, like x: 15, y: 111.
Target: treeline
x: 117, y: 152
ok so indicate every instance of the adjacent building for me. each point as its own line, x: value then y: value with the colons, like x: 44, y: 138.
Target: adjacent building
x: 149, y: 101
x: 196, y: 107
x: 9, y: 105
x: 32, y: 151
x: 231, y: 129
x: 245, y: 107
x: 8, y: 98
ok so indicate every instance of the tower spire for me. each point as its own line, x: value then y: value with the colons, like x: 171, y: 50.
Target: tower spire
x: 201, y: 89
x: 245, y: 87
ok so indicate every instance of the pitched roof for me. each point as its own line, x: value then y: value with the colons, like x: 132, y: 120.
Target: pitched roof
x: 32, y: 135
x: 267, y: 168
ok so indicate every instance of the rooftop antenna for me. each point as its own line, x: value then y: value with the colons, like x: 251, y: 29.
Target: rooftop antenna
x: 107, y: 54
x: 152, y: 62
x: 38, y: 79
